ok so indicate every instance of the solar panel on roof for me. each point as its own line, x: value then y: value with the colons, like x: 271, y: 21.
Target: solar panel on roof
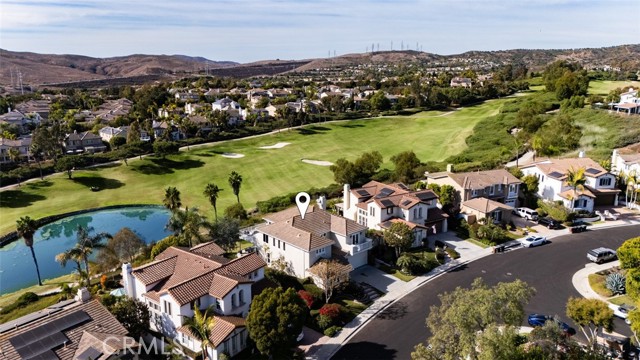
x: 362, y: 192
x: 424, y: 196
x: 42, y: 346
x: 387, y: 203
x: 555, y: 174
x: 402, y: 186
x: 89, y: 354
x: 592, y: 171
x: 47, y: 355
x: 406, y: 202
x: 386, y: 192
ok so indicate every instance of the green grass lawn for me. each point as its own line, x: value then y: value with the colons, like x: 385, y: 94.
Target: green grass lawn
x: 42, y: 303
x: 266, y: 173
x: 47, y: 285
x: 603, y: 87
x: 622, y: 299
x: 597, y: 283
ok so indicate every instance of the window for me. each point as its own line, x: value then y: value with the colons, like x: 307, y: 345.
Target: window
x: 492, y: 190
x: 320, y: 251
x: 372, y: 211
x: 241, y: 297
x: 474, y: 193
x: 605, y: 181
x: 274, y: 241
x: 420, y: 212
x: 284, y: 246
x: 390, y: 210
x: 265, y: 238
x: 278, y: 243
x: 268, y: 258
x: 513, y: 188
x: 167, y: 308
x: 355, y: 238
x: 218, y: 306
x: 415, y: 213
x: 234, y: 301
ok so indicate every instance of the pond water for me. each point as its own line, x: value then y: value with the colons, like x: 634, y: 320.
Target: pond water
x: 17, y: 269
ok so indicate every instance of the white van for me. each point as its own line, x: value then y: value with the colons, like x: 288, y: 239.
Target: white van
x: 527, y: 213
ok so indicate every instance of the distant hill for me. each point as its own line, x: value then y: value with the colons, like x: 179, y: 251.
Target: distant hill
x: 626, y: 57
x: 38, y: 69
x: 43, y: 69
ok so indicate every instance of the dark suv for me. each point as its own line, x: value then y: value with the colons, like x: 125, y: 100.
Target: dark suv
x: 549, y: 222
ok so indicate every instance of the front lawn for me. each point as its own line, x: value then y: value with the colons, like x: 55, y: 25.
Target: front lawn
x: 597, y: 283
x: 622, y: 299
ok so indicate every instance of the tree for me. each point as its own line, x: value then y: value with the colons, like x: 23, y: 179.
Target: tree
x: 275, y: 320
x: 331, y: 274
x: 187, y: 225
x: 529, y: 189
x: 172, y: 199
x: 629, y: 253
x: 201, y: 325
x: 235, y: 211
x: 344, y: 172
x: 225, y: 232
x: 116, y: 142
x: 133, y: 135
x: 133, y: 315
x: 591, y: 314
x: 212, y: 191
x: 465, y: 314
x: 632, y: 180
x: 235, y: 181
x: 85, y: 245
x: 576, y: 180
x: 68, y: 164
x: 38, y: 155
x: 446, y: 194
x: 125, y: 244
x: 399, y: 236
x: 14, y: 155
x: 379, y: 101
x: 72, y: 255
x: 358, y: 172
x: 405, y: 166
x: 164, y: 148
x: 26, y: 227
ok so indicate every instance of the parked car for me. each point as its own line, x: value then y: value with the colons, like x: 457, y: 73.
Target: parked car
x: 533, y: 240
x: 527, y: 213
x: 601, y: 255
x: 536, y: 320
x: 622, y: 311
x: 549, y: 222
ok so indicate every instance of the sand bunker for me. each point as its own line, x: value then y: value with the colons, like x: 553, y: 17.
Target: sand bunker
x: 279, y: 145
x: 317, y: 162
x: 233, y: 155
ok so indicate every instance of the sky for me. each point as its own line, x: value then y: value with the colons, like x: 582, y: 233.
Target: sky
x: 252, y: 30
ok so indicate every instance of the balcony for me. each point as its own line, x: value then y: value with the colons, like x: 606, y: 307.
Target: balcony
x: 362, y: 246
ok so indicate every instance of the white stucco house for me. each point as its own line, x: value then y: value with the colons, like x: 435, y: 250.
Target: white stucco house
x: 600, y: 187
x: 301, y: 243
x: 180, y: 279
x: 629, y: 102
x: 626, y: 160
x: 377, y: 206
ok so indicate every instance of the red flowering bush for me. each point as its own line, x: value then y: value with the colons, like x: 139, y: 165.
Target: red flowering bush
x: 331, y: 310
x: 307, y: 297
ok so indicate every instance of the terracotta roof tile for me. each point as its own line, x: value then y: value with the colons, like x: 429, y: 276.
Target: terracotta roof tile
x: 156, y: 271
x: 191, y: 289
x: 485, y: 205
x: 222, y: 328
x: 482, y: 179
x: 562, y: 166
x: 209, y: 248
x: 101, y: 322
x: 245, y: 265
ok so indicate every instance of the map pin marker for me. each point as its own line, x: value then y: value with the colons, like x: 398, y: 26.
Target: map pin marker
x: 302, y: 201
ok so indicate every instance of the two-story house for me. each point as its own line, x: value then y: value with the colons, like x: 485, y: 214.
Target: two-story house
x: 83, y: 142
x: 490, y: 193
x: 629, y: 102
x: 626, y: 160
x: 377, y: 206
x: 180, y: 279
x: 23, y: 145
x: 107, y: 133
x: 599, y: 189
x: 300, y: 243
x: 20, y: 120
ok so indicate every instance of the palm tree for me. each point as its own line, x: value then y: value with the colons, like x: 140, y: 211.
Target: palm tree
x: 26, y: 227
x: 187, y: 224
x: 172, y: 198
x: 201, y: 325
x: 72, y: 254
x: 632, y: 187
x: 235, y: 181
x: 37, y: 154
x: 211, y: 191
x: 576, y: 180
x: 86, y: 244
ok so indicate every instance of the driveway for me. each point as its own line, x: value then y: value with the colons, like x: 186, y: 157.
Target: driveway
x: 377, y: 278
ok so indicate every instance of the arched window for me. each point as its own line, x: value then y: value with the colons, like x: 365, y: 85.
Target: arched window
x: 241, y: 297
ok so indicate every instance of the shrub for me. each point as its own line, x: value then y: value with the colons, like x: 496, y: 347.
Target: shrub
x: 162, y: 245
x: 282, y: 279
x: 27, y: 298
x: 236, y: 211
x: 315, y: 291
x: 616, y: 283
x: 324, y: 321
x: 331, y: 310
x: 307, y: 297
x: 330, y: 332
x: 452, y: 253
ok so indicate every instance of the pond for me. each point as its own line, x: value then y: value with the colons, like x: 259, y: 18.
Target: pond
x: 17, y: 269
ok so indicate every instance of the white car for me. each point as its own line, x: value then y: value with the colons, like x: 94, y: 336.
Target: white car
x: 533, y: 240
x: 622, y: 311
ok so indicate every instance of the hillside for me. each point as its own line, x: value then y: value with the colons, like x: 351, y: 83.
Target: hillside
x: 38, y: 69
x: 626, y: 57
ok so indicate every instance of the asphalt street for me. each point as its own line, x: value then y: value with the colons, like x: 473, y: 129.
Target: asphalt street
x: 548, y: 268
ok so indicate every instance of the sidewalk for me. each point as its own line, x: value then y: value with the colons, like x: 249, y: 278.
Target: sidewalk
x: 580, y: 279
x: 468, y: 252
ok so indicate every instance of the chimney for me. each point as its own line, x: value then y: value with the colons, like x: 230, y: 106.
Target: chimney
x: 83, y: 295
x: 449, y: 167
x: 128, y: 281
x: 581, y: 154
x: 346, y: 193
x: 322, y: 202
